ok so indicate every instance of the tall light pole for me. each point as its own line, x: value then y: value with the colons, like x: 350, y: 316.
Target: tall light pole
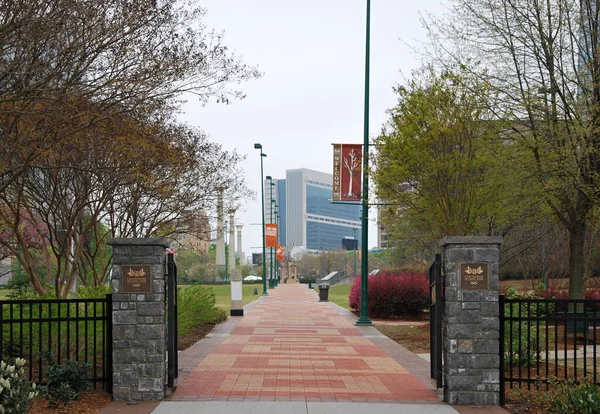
x: 272, y: 250
x: 271, y: 184
x: 355, y: 251
x: 262, y: 192
x: 276, y: 279
x: 364, y: 277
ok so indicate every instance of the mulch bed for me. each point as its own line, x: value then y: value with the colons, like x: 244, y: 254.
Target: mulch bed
x: 88, y: 402
x: 93, y: 401
x: 193, y: 336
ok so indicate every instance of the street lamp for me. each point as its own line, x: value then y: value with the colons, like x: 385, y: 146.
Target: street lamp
x: 262, y: 192
x: 276, y: 279
x: 364, y: 277
x: 272, y: 252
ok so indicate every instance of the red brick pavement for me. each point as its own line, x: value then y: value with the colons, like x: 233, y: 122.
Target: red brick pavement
x: 290, y: 347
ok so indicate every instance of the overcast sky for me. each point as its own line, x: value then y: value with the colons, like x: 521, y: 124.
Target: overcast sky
x: 312, y: 54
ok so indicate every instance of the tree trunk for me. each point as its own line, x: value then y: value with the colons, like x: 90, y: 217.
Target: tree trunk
x: 577, y: 231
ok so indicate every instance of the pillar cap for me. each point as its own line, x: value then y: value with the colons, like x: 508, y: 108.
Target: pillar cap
x: 160, y: 241
x: 471, y: 240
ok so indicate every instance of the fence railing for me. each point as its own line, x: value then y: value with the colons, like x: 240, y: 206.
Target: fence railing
x: 80, y: 329
x: 547, y: 338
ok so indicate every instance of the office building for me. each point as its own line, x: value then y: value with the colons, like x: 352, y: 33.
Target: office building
x: 306, y: 215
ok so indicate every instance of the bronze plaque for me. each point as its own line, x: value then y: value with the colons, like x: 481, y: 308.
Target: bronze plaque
x: 136, y: 278
x: 474, y: 276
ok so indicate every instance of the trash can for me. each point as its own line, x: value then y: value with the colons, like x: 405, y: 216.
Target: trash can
x: 310, y: 284
x: 323, y: 293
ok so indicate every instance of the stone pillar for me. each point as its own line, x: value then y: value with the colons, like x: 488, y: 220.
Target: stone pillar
x: 470, y: 321
x: 139, y: 328
x: 220, y: 253
x: 240, y: 254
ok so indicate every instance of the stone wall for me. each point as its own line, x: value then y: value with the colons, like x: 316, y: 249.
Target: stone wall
x: 139, y: 326
x: 471, y: 324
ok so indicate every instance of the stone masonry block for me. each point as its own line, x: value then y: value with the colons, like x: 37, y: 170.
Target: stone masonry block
x: 463, y: 382
x: 460, y: 255
x: 124, y: 317
x: 155, y: 370
x: 491, y: 296
x: 470, y: 305
x: 490, y: 323
x: 465, y: 346
x: 453, y: 309
x: 151, y: 384
x: 150, y: 331
x: 461, y: 331
x: 490, y: 309
x: 468, y: 296
x: 451, y: 294
x: 487, y: 346
x: 133, y: 355
x: 486, y: 255
x: 490, y: 377
x: 121, y: 393
x: 158, y: 286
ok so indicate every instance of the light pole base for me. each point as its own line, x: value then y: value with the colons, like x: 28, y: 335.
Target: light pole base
x: 265, y: 294
x: 362, y: 321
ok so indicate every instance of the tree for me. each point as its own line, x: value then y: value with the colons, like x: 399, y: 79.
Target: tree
x: 88, y: 94
x: 544, y: 66
x: 440, y: 160
x: 68, y: 64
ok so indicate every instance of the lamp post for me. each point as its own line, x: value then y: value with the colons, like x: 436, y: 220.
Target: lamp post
x: 272, y: 252
x: 276, y: 280
x: 355, y: 251
x: 271, y: 184
x: 262, y: 192
x: 364, y: 277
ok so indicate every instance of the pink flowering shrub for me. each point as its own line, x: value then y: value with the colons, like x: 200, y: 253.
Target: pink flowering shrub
x: 393, y: 293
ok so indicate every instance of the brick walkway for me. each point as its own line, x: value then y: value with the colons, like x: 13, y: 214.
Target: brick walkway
x: 290, y: 347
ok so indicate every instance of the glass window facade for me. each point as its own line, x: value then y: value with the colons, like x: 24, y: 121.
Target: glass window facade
x: 318, y: 203
x: 327, y: 236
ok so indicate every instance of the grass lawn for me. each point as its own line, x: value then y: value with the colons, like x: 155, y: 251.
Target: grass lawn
x: 223, y: 294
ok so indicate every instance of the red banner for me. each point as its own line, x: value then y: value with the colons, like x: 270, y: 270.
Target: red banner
x: 271, y: 235
x: 280, y: 253
x: 347, y: 172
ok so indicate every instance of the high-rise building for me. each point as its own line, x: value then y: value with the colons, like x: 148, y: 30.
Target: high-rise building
x: 306, y: 215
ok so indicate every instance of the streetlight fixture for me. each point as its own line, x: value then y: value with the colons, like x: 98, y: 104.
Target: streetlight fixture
x: 272, y: 250
x: 364, y: 277
x: 271, y: 184
x: 276, y: 279
x: 262, y: 192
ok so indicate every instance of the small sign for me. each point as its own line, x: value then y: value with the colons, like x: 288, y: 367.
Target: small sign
x: 474, y: 276
x: 136, y: 278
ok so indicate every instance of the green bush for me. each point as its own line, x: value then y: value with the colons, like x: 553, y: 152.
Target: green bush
x: 93, y: 292
x: 16, y: 394
x: 573, y: 397
x: 528, y: 337
x: 66, y: 381
x: 196, y: 306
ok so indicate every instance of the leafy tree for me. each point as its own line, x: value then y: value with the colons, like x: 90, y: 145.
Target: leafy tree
x: 441, y: 161
x: 544, y: 68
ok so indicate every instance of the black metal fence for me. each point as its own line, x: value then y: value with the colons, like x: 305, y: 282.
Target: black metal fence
x: 172, y: 335
x: 436, y: 305
x: 547, y: 338
x: 80, y: 329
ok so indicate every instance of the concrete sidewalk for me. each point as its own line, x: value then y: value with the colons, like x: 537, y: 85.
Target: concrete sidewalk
x: 293, y: 354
